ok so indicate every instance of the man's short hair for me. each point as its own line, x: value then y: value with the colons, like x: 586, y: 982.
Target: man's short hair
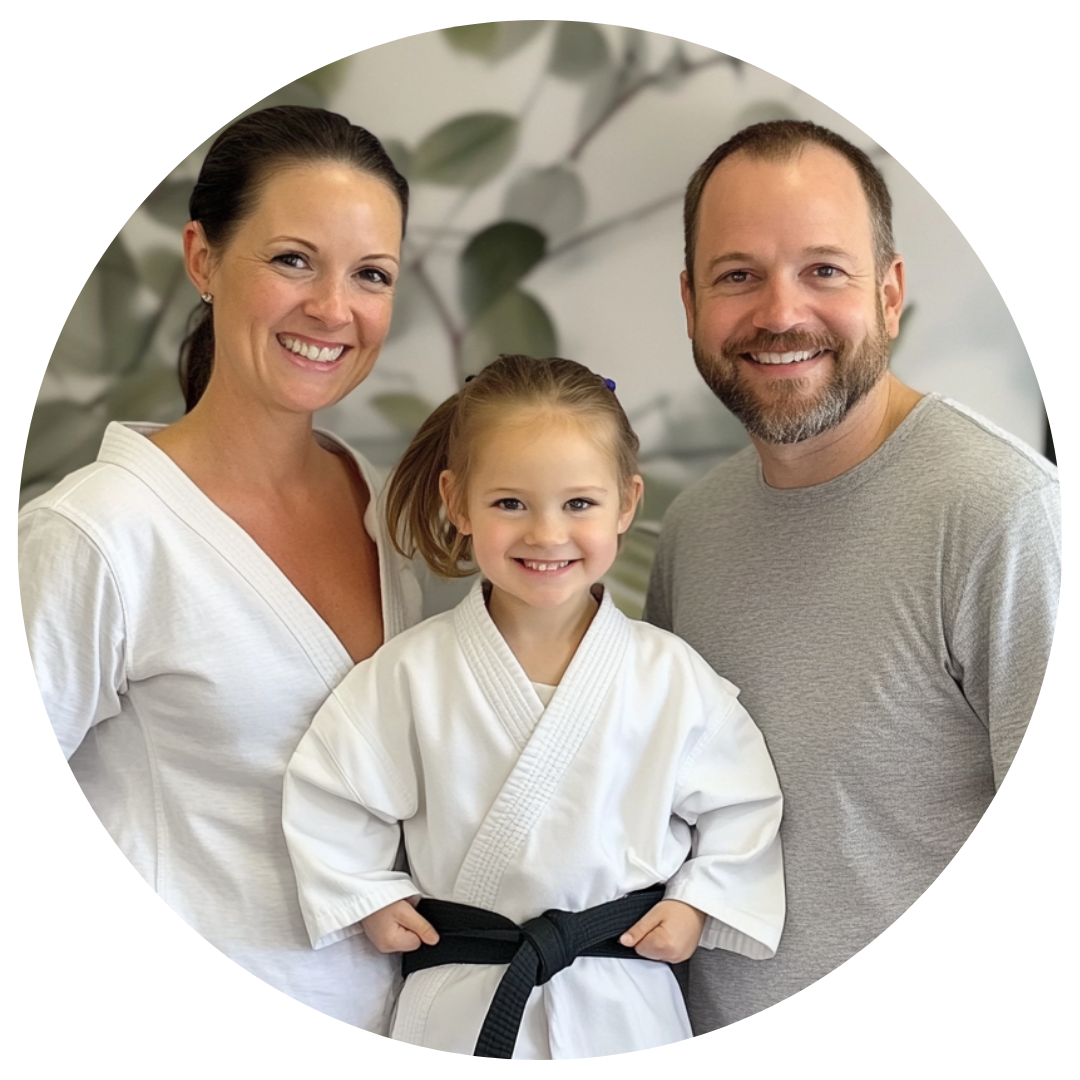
x: 780, y: 140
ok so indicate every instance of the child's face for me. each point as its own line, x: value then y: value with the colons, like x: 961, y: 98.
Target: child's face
x: 543, y: 509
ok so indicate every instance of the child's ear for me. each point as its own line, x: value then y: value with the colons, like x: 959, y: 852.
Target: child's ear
x: 448, y: 494
x: 630, y: 503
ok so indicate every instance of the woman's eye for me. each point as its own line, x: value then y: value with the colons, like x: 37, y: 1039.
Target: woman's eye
x: 375, y: 276
x: 291, y: 258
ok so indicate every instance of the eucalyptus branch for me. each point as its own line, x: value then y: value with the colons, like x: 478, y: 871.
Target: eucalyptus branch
x: 614, y: 223
x: 453, y: 331
x: 620, y: 101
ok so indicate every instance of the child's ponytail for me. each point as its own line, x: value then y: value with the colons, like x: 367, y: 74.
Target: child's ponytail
x: 414, y: 509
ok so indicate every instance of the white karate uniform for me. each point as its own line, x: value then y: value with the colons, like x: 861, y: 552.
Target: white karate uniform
x: 180, y: 667
x: 643, y: 757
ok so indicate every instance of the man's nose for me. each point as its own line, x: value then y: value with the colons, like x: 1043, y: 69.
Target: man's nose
x: 781, y: 305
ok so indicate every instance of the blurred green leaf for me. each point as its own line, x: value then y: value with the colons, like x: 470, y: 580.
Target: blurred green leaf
x: 81, y: 343
x: 162, y: 269
x: 125, y: 329
x: 495, y: 260
x: 628, y: 578
x: 492, y: 40
x: 326, y: 80
x: 168, y: 202
x: 405, y: 411
x: 467, y: 151
x: 515, y: 323
x: 674, y: 68
x: 400, y: 155
x: 552, y: 199
x: 151, y: 394
x: 580, y: 50
x: 63, y: 436
x: 659, y: 494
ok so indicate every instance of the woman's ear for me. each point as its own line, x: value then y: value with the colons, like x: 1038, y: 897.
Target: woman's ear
x: 198, y: 257
x: 630, y: 503
x: 448, y: 494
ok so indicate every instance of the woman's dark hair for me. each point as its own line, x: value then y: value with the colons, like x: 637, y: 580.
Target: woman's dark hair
x: 552, y: 387
x: 240, y: 161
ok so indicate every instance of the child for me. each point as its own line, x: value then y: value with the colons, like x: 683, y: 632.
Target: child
x: 541, y: 751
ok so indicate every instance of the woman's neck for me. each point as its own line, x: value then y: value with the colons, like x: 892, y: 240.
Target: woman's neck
x: 544, y: 642
x: 223, y: 445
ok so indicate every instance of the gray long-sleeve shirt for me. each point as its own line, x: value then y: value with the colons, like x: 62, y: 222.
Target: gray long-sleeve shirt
x: 889, y: 631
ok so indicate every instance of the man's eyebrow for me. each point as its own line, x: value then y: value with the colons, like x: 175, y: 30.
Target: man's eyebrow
x: 823, y: 251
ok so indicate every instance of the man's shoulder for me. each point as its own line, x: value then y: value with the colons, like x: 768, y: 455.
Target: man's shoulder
x: 953, y: 441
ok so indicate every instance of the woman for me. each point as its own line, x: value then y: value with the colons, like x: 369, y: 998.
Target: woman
x: 193, y: 596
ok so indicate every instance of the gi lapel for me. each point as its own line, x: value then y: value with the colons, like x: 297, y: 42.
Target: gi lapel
x: 548, y: 745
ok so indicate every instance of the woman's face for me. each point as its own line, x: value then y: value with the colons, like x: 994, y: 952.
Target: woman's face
x: 303, y: 291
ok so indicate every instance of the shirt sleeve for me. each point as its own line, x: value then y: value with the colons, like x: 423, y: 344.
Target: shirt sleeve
x: 343, y: 801
x: 729, y: 792
x: 75, y: 625
x: 1003, y: 625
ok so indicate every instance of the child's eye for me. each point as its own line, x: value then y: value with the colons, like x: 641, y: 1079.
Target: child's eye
x: 510, y: 504
x: 580, y: 504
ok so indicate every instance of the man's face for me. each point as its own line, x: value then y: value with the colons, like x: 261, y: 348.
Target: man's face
x: 790, y: 326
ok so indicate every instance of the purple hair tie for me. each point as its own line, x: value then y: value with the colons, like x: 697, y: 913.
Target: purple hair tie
x: 610, y: 384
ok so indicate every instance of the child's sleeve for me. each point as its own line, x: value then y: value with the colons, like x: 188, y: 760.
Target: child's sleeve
x: 729, y: 792
x: 346, y: 792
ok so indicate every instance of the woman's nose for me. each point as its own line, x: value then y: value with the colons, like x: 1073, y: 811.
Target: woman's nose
x: 328, y: 303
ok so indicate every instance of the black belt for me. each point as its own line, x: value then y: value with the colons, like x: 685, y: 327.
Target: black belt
x: 535, y: 951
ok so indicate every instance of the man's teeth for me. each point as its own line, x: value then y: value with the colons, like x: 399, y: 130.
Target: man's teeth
x: 545, y: 565
x: 312, y: 352
x: 784, y: 357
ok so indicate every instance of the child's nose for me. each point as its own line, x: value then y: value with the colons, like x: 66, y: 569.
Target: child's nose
x: 545, y: 529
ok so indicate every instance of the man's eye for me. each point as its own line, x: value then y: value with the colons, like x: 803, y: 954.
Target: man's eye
x: 827, y: 271
x: 737, y: 277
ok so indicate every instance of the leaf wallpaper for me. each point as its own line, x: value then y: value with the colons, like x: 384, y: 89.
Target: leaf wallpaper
x: 547, y: 162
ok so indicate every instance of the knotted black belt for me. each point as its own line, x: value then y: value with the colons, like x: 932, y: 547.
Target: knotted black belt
x: 535, y: 951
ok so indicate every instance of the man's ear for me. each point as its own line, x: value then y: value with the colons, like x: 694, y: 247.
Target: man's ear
x: 448, y: 494
x: 688, y: 302
x: 892, y: 296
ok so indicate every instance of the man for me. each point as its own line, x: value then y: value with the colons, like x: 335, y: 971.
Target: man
x: 878, y: 572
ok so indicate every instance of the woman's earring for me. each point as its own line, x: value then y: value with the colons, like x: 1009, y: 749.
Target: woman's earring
x: 208, y: 298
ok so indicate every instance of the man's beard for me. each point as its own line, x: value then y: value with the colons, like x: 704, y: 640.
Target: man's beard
x: 783, y: 411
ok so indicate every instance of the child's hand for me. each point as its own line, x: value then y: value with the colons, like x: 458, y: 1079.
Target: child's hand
x: 669, y: 931
x: 399, y: 927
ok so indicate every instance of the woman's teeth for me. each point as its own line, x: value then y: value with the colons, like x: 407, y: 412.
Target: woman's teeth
x: 312, y: 352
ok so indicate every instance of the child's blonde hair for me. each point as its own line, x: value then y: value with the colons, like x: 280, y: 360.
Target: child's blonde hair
x: 446, y: 440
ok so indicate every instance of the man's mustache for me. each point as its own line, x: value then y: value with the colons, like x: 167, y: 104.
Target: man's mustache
x: 792, y: 341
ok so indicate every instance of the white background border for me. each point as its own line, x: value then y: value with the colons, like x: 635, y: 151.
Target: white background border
x: 101, y: 101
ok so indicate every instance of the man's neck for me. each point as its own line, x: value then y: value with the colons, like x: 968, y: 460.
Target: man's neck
x: 852, y: 441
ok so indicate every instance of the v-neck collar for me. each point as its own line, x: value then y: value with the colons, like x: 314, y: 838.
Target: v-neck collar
x: 127, y: 446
